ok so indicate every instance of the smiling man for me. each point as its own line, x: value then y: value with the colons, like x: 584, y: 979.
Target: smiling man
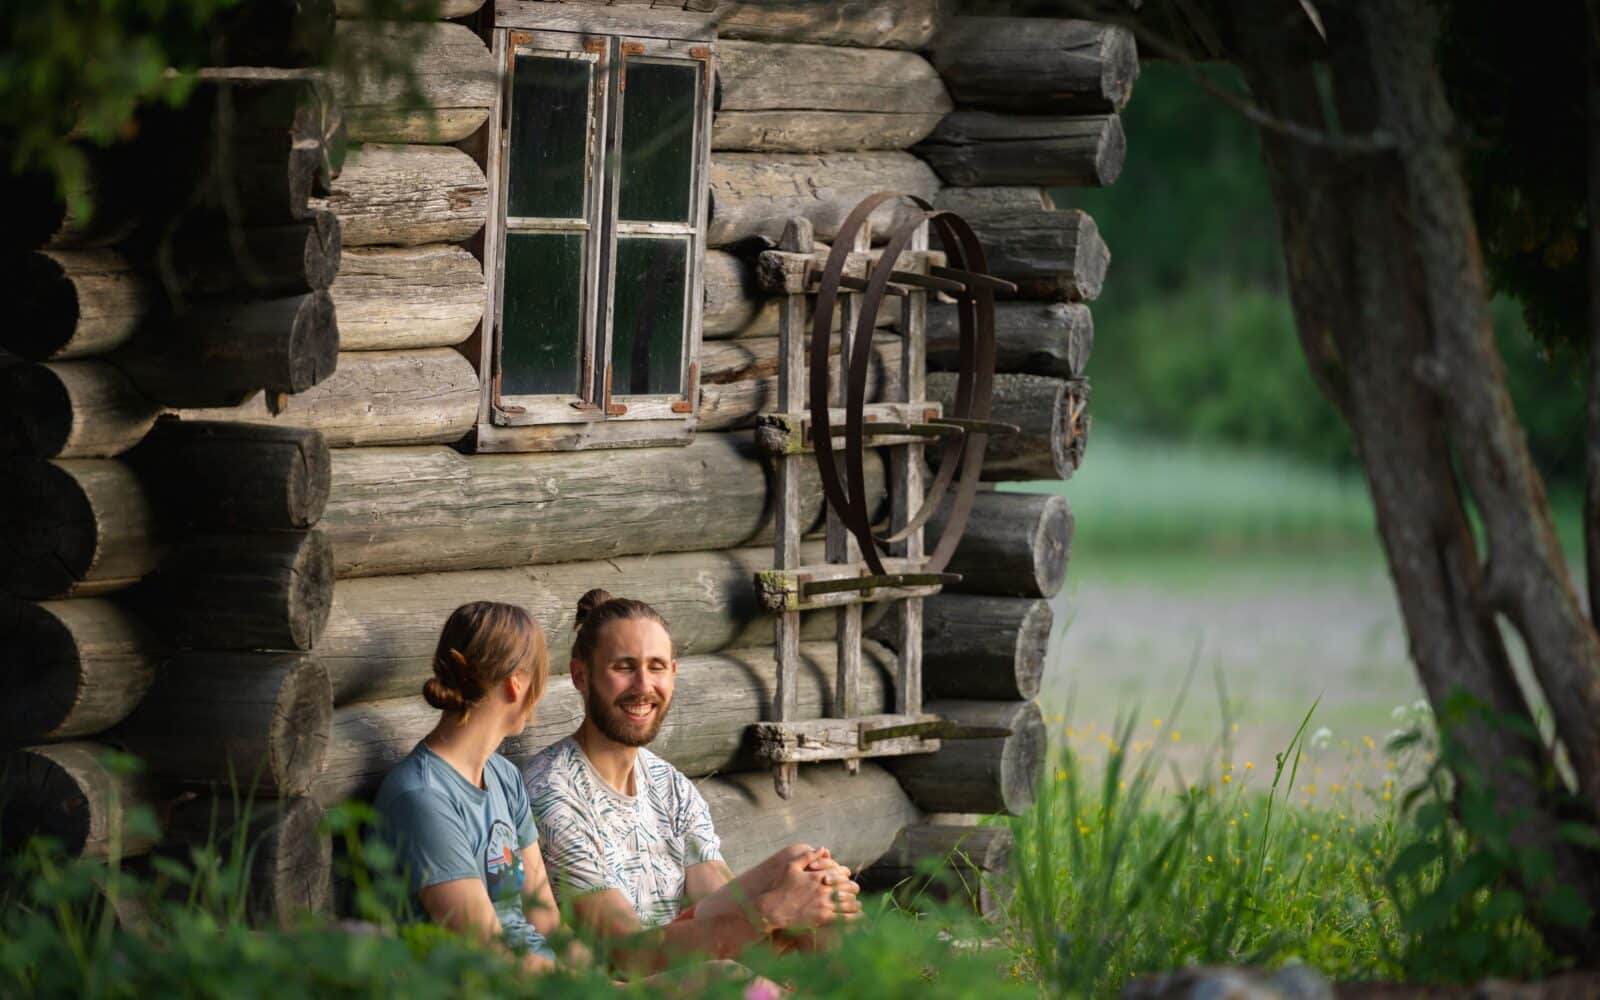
x: 628, y: 839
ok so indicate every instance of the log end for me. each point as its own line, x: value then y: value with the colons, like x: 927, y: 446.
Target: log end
x: 36, y: 411
x: 1052, y: 545
x: 313, y: 350
x: 311, y: 590
x: 49, y: 534
x: 44, y: 307
x: 301, y: 728
x: 1070, y: 434
x: 63, y: 791
x: 1119, y: 65
x: 310, y: 480
x: 42, y: 673
x: 1111, y: 152
x: 1090, y: 261
x: 1032, y: 646
x: 1022, y: 762
x: 324, y: 250
x: 293, y: 869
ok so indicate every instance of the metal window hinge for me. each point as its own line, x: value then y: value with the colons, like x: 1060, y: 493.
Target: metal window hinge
x: 612, y: 409
x: 687, y: 403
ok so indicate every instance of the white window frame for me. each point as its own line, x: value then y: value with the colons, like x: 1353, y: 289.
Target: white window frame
x: 598, y: 416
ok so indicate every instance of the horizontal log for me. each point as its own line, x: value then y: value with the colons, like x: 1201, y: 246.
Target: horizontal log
x: 72, y: 668
x: 419, y: 510
x: 987, y: 648
x: 978, y: 148
x: 717, y: 698
x: 736, y: 306
x: 270, y: 141
x: 66, y: 792
x: 977, y: 200
x: 1016, y: 544
x: 290, y: 874
x: 210, y: 255
x: 258, y: 722
x: 755, y: 194
x: 1037, y: 65
x: 1051, y: 414
x: 233, y: 476
x: 739, y: 378
x: 376, y: 397
x: 279, y: 33
x: 270, y: 590
x: 972, y: 863
x: 70, y: 303
x: 896, y: 24
x: 856, y: 817
x: 993, y: 775
x: 70, y: 409
x: 1033, y: 338
x: 445, y: 97
x: 407, y: 196
x: 382, y: 630
x: 218, y: 352
x: 407, y: 297
x: 1048, y: 254
x: 73, y: 528
x: 446, y: 8
x: 808, y: 98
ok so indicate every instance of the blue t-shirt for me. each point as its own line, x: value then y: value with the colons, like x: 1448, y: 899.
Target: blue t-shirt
x: 444, y: 828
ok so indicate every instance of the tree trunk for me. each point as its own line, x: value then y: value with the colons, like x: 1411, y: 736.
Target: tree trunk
x: 1031, y: 338
x: 1050, y: 413
x: 896, y: 24
x: 450, y: 67
x: 64, y: 791
x: 429, y: 510
x: 234, y: 477
x: 755, y: 194
x: 73, y: 528
x: 376, y: 397
x: 1037, y: 65
x: 407, y: 297
x: 983, y: 648
x: 73, y: 668
x: 407, y: 196
x: 991, y: 775
x: 1016, y: 544
x: 981, y: 148
x: 70, y: 409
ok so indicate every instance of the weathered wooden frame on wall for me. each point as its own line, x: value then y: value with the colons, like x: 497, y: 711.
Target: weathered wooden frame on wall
x: 597, y: 417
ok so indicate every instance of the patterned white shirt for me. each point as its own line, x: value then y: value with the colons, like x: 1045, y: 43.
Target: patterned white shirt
x: 593, y: 837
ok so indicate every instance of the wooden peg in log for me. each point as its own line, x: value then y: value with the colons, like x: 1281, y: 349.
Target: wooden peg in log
x: 1037, y: 65
x: 291, y: 858
x: 972, y: 863
x: 65, y: 791
x: 1051, y: 414
x: 1033, y: 338
x: 73, y: 528
x: 981, y: 148
x: 70, y: 409
x: 258, y: 722
x: 1015, y: 544
x: 975, y: 646
x: 243, y: 591
x: 234, y: 476
x: 72, y: 668
x: 993, y: 775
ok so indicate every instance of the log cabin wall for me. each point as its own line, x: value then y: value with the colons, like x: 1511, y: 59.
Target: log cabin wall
x: 242, y: 523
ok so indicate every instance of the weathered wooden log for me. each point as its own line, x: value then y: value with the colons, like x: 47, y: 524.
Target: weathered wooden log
x: 72, y: 528
x: 269, y: 142
x: 233, y: 476
x: 898, y: 24
x: 65, y: 791
x: 408, y: 195
x: 755, y: 194
x: 451, y: 70
x: 212, y: 256
x: 258, y: 722
x: 1033, y: 338
x: 285, y: 33
x: 977, y: 148
x: 717, y: 698
x: 1051, y: 414
x: 446, y: 8
x: 739, y: 378
x: 423, y: 510
x: 992, y: 775
x: 1021, y: 198
x: 1049, y: 254
x: 851, y: 98
x: 987, y: 648
x: 72, y: 668
x: 218, y: 352
x: 376, y: 397
x: 70, y: 303
x: 382, y: 630
x: 1016, y: 544
x: 972, y: 864
x: 270, y: 590
x: 1037, y: 65
x: 856, y: 817
x: 70, y: 409
x: 735, y: 305
x: 290, y: 875
x: 407, y: 297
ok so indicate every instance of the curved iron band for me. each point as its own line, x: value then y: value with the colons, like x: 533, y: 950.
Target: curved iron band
x: 821, y: 336
x: 963, y: 248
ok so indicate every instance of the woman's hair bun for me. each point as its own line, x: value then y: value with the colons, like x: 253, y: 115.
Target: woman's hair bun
x: 589, y: 601
x: 443, y: 697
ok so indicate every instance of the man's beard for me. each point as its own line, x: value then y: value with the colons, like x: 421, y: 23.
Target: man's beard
x: 615, y: 725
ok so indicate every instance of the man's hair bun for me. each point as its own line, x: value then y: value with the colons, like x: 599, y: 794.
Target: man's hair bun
x: 588, y: 602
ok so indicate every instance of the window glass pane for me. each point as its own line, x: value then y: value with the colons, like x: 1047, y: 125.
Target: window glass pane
x: 549, y: 136
x: 541, y: 319
x: 657, y: 141
x: 647, y: 316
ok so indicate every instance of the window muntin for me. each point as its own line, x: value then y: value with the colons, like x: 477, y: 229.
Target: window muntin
x: 623, y: 344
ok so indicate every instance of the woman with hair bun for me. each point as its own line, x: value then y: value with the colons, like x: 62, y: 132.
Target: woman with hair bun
x: 456, y: 811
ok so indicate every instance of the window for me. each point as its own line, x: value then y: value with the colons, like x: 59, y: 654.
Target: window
x: 598, y: 232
